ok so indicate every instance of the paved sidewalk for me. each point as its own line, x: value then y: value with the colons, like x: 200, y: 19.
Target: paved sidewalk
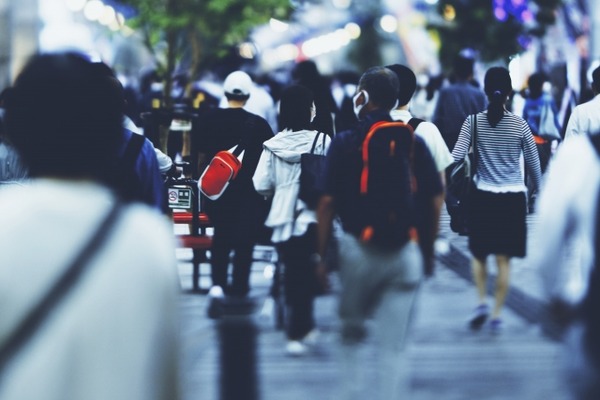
x: 446, y: 361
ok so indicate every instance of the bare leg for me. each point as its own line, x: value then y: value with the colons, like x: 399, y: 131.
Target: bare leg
x: 479, y: 271
x: 502, y: 283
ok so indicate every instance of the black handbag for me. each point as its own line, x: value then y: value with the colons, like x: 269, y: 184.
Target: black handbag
x: 460, y: 184
x: 312, y: 167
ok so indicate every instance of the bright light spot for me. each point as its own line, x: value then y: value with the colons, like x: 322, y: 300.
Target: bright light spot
x: 75, y: 5
x: 269, y: 271
x: 353, y: 30
x: 277, y: 25
x: 449, y: 13
x: 500, y: 14
x: 108, y: 16
x: 432, y: 2
x: 287, y: 52
x: 326, y: 43
x: 247, y: 50
x: 389, y: 23
x: 343, y: 4
x: 93, y: 10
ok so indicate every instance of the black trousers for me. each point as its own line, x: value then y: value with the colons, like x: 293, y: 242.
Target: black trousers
x: 300, y: 282
x: 230, y: 237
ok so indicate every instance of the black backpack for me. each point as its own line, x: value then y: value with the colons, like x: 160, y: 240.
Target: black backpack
x: 590, y: 307
x: 387, y: 185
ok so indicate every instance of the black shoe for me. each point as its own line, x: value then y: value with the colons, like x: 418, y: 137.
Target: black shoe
x: 480, y: 315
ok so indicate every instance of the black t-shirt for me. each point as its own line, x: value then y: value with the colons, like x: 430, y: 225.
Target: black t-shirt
x: 221, y: 129
x: 344, y: 166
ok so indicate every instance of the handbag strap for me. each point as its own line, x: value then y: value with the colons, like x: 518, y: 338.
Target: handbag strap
x: 314, y: 144
x: 40, y: 313
x: 474, y: 143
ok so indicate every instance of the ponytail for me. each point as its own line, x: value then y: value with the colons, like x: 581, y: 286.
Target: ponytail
x: 495, y: 107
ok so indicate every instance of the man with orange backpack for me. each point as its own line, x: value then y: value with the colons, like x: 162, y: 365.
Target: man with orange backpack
x: 382, y: 182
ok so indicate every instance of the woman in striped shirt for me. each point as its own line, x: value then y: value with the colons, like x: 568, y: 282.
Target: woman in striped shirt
x: 497, y: 210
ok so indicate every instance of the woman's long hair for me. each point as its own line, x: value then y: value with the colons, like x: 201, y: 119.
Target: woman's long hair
x: 497, y: 86
x: 295, y: 108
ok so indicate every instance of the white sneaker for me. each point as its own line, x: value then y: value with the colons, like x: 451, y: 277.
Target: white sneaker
x: 295, y: 348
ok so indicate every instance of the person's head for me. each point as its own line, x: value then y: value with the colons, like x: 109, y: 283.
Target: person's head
x: 62, y: 118
x: 377, y: 89
x: 596, y: 80
x: 408, y: 82
x: 237, y: 86
x: 535, y: 84
x: 497, y: 87
x: 296, y: 108
x: 306, y: 73
x: 463, y: 67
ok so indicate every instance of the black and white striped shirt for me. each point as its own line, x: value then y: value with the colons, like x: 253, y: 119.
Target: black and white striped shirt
x: 499, y: 153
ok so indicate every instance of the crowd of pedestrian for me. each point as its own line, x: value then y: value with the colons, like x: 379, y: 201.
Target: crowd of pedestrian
x: 100, y: 305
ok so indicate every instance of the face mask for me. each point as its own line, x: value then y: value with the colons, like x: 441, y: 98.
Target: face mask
x: 313, y: 112
x: 358, y: 108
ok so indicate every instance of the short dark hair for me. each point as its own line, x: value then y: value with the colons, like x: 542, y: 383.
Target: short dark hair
x: 408, y: 82
x: 62, y: 118
x: 294, y: 108
x: 596, y: 80
x: 382, y: 85
x: 463, y: 67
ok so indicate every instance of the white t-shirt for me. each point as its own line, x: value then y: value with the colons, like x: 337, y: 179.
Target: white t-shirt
x: 432, y: 138
x: 584, y: 120
x: 562, y: 246
x: 115, y: 335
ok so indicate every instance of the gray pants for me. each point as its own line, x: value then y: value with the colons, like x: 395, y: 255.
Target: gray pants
x: 382, y: 285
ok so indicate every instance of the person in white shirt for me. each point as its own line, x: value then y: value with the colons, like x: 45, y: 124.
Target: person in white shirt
x: 562, y: 249
x: 113, y: 332
x: 426, y: 130
x: 585, y: 118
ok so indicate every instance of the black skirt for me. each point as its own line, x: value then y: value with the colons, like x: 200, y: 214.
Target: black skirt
x: 497, y: 224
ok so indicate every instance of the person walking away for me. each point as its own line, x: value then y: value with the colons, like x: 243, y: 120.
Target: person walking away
x: 585, y: 118
x: 497, y: 207
x: 458, y: 100
x: 532, y: 110
x: 240, y: 210
x: 379, y: 278
x: 564, y: 253
x: 424, y: 129
x: 292, y: 222
x: 112, y: 332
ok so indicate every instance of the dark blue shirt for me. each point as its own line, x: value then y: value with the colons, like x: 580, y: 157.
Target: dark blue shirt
x: 344, y: 166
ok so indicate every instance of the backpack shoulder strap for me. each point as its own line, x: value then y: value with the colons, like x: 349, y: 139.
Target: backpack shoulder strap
x: 74, y: 272
x: 132, y: 151
x: 414, y: 122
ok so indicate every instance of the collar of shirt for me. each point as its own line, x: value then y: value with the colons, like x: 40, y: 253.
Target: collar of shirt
x: 400, y: 115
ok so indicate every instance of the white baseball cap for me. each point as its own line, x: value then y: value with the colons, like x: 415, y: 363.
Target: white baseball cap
x: 238, y: 83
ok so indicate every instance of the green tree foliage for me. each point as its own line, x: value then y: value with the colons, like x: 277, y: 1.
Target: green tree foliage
x: 201, y: 32
x: 474, y: 26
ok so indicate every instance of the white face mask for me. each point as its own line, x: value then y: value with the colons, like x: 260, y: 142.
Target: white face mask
x: 358, y: 108
x: 313, y: 112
